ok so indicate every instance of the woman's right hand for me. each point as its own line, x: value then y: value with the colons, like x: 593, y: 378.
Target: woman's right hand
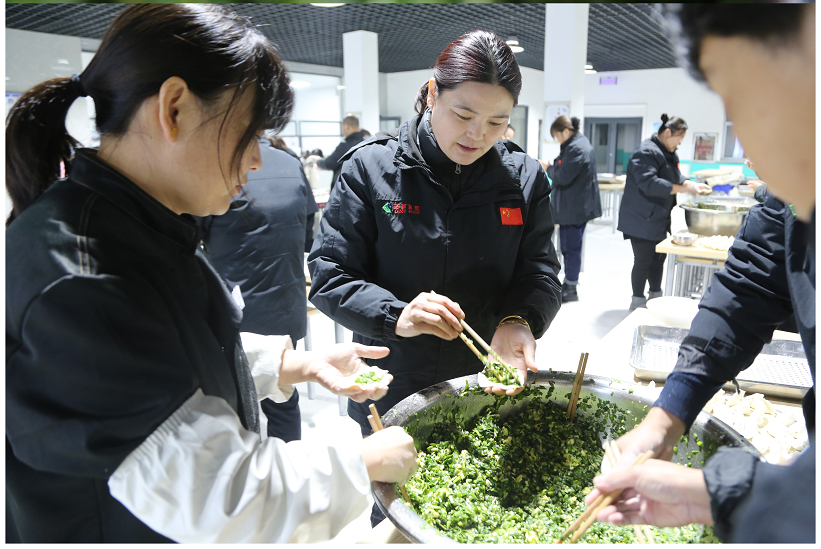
x: 430, y: 313
x: 694, y: 188
x: 389, y: 455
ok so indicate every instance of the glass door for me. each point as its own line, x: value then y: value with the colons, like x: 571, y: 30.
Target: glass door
x: 613, y: 140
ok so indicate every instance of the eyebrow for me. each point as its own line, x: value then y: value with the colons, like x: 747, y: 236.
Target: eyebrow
x: 466, y: 108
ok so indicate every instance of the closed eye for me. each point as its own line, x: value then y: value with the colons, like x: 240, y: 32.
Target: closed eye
x: 461, y: 117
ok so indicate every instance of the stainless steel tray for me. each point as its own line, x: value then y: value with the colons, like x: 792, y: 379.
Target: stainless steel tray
x: 780, y: 370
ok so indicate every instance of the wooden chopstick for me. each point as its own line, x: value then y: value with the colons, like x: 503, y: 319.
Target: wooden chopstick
x: 643, y: 532
x: 577, y: 385
x: 598, y: 504
x: 376, y: 425
x: 473, y: 348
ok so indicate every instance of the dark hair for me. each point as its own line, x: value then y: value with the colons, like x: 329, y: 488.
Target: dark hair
x: 478, y: 56
x: 277, y: 142
x: 689, y: 24
x: 365, y: 132
x: 564, y: 123
x: 352, y: 121
x: 212, y: 49
x: 675, y: 124
x: 509, y: 127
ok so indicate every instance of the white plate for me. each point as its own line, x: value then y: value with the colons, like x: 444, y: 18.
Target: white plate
x: 674, y: 311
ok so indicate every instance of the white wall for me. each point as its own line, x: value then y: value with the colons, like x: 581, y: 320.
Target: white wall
x: 649, y: 93
x: 532, y: 95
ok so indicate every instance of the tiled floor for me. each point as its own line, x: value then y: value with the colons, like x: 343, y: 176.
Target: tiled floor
x: 604, y: 297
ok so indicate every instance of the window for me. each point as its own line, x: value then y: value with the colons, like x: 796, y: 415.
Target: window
x: 732, y: 147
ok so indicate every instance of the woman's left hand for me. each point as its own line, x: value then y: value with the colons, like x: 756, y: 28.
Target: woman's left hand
x: 333, y: 369
x: 517, y: 346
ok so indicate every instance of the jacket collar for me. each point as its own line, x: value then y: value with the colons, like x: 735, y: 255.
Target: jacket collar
x: 91, y: 172
x: 409, y: 155
x: 569, y: 140
x: 671, y: 156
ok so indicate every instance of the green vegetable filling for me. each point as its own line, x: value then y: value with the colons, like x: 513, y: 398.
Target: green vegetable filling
x: 368, y: 377
x: 499, y: 372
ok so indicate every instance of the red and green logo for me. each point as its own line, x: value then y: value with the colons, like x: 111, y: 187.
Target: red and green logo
x: 400, y: 208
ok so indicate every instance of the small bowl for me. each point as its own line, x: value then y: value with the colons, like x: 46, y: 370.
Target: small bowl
x: 684, y: 238
x: 673, y: 311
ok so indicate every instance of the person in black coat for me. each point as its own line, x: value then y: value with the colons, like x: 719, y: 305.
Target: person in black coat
x: 442, y: 206
x: 653, y: 179
x: 575, y: 197
x: 769, y: 276
x: 351, y: 136
x: 258, y: 245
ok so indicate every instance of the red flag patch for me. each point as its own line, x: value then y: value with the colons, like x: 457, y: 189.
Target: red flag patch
x: 511, y: 216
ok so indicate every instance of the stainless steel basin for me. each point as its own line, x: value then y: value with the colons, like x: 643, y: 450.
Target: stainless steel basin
x: 412, y: 412
x: 712, y: 222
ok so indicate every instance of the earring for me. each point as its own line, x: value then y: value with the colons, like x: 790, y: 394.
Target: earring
x: 173, y: 132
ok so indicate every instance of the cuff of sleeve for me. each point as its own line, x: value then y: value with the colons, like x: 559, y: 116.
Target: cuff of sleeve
x: 729, y: 477
x: 391, y: 318
x: 264, y: 354
x: 684, y: 395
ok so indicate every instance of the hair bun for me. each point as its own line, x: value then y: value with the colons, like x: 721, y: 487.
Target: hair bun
x: 664, y: 118
x: 575, y: 123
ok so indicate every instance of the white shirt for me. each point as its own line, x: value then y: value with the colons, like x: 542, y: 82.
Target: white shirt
x: 203, y: 478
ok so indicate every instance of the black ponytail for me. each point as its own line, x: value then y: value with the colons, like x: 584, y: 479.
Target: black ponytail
x: 37, y: 141
x: 675, y: 125
x: 564, y: 122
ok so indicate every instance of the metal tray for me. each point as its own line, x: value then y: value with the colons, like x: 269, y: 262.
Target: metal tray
x: 414, y: 411
x: 780, y: 370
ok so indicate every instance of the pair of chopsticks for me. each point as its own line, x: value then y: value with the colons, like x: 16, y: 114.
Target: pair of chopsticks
x: 589, y: 516
x: 643, y: 532
x: 481, y: 341
x: 376, y: 425
x: 577, y: 386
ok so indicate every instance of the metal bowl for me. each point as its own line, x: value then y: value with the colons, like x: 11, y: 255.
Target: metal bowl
x: 712, y: 222
x: 684, y: 238
x: 411, y: 412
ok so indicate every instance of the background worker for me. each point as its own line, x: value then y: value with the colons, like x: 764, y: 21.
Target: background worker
x: 351, y: 136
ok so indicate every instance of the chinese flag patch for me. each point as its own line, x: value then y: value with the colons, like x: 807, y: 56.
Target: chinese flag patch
x: 511, y: 216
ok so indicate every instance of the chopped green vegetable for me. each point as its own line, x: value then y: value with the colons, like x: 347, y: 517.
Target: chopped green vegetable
x: 522, y: 479
x: 368, y: 377
x: 500, y: 372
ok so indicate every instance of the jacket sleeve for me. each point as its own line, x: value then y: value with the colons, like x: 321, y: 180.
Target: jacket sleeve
x: 331, y: 162
x: 744, y: 304
x: 757, y: 502
x: 646, y: 169
x: 341, y: 262
x: 572, y: 162
x: 202, y: 478
x: 535, y: 291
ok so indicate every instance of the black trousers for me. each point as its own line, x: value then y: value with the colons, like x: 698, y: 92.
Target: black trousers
x: 570, y: 240
x: 648, y: 266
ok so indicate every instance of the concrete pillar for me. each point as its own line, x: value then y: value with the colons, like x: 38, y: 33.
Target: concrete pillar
x: 565, y: 54
x: 360, y: 51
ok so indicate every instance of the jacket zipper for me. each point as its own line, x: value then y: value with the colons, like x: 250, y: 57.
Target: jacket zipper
x: 458, y: 169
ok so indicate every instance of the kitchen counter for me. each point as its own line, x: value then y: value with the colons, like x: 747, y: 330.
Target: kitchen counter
x: 681, y: 257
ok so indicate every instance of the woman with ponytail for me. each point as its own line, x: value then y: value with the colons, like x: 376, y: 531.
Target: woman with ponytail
x: 438, y: 222
x: 575, y: 197
x: 653, y: 179
x: 131, y: 397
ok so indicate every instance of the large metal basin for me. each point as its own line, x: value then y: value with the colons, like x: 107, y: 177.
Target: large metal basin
x: 712, y: 222
x: 412, y: 411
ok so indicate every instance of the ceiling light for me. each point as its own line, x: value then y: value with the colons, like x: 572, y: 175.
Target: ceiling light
x: 588, y: 67
x: 589, y: 71
x: 62, y: 61
x: 340, y: 87
x: 512, y: 41
x: 299, y: 84
x: 327, y: 5
x: 517, y: 49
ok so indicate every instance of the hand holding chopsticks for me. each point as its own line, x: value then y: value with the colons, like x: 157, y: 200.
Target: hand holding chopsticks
x: 589, y: 516
x: 376, y: 425
x: 612, y: 454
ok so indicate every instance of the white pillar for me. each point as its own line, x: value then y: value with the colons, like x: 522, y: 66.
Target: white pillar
x: 360, y: 58
x: 565, y: 54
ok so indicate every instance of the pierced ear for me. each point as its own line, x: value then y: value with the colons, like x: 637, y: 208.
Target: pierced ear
x: 173, y: 100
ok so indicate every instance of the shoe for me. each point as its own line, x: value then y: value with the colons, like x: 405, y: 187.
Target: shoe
x: 653, y: 295
x: 569, y: 292
x: 638, y: 302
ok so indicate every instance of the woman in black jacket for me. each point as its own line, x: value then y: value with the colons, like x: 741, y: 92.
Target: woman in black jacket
x: 131, y: 398
x: 442, y: 206
x: 653, y: 179
x: 575, y: 197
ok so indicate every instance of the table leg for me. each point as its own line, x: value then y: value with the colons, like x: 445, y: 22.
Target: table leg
x: 339, y: 337
x: 672, y: 260
x: 309, y: 345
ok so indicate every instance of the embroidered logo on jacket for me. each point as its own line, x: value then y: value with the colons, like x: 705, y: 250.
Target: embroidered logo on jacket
x: 559, y: 162
x: 511, y: 216
x: 400, y: 208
